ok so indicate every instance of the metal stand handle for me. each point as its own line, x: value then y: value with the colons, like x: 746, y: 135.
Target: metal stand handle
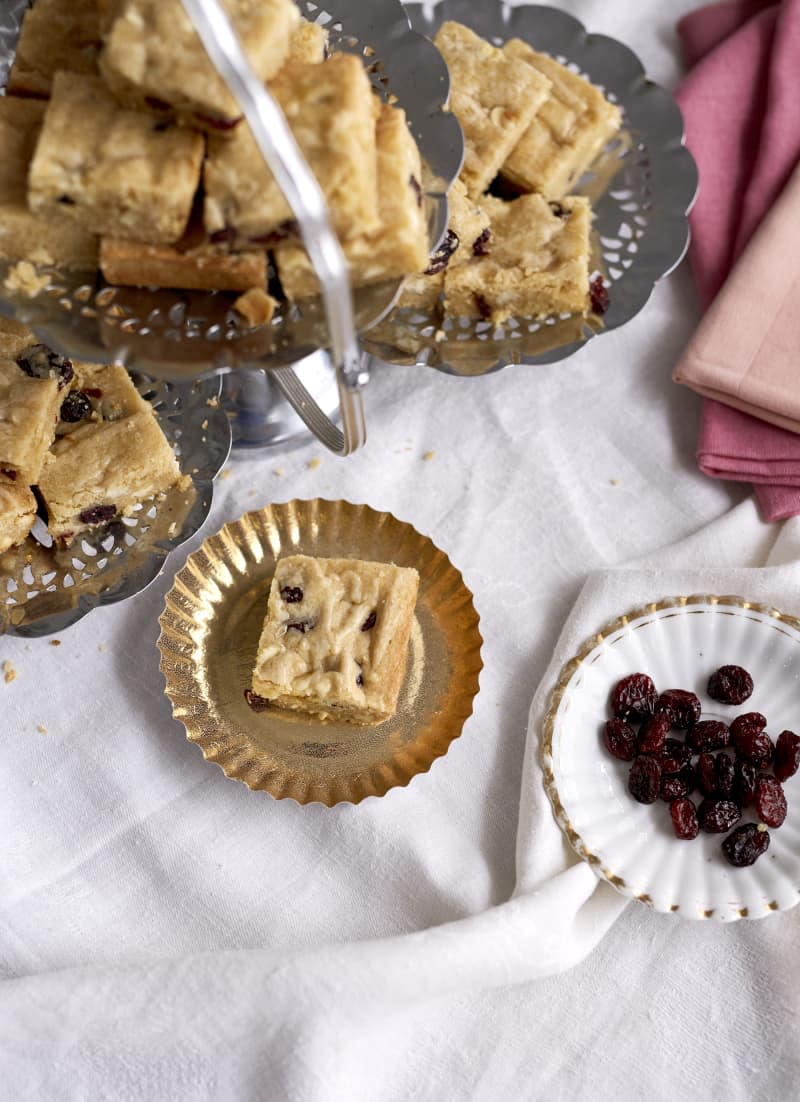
x: 283, y: 157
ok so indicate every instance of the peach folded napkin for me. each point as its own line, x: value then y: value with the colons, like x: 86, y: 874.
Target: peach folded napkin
x: 746, y: 350
x: 743, y: 126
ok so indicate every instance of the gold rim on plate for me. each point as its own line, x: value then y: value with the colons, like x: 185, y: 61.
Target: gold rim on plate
x: 209, y: 632
x: 775, y: 890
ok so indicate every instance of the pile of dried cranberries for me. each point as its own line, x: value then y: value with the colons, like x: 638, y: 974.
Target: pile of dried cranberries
x: 670, y: 768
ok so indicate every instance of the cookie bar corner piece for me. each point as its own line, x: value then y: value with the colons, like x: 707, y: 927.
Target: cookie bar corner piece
x: 30, y: 398
x: 55, y: 34
x: 494, y: 98
x: 335, y: 637
x: 568, y: 132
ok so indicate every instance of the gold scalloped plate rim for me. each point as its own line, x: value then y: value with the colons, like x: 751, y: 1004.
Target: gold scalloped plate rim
x: 220, y: 576
x: 548, y: 733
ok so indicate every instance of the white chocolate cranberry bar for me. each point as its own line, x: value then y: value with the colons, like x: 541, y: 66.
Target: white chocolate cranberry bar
x: 335, y: 638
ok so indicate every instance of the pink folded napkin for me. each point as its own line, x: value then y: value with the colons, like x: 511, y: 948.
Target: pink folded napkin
x: 743, y: 127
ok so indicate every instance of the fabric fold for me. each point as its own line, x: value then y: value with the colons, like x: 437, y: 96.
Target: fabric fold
x: 743, y: 128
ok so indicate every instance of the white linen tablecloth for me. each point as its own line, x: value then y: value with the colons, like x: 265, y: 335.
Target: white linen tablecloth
x: 167, y: 934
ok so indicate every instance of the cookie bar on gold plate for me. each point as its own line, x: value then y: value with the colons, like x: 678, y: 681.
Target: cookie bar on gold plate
x: 335, y: 637
x: 17, y: 513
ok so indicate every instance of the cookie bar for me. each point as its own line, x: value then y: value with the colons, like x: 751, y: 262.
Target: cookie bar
x: 113, y: 171
x: 109, y: 454
x: 493, y: 96
x: 467, y: 235
x: 201, y: 267
x: 17, y: 513
x: 14, y: 338
x: 567, y: 133
x: 32, y: 388
x: 537, y: 264
x: 335, y: 638
x: 24, y: 235
x: 153, y: 57
x: 399, y: 244
x: 55, y: 34
x: 331, y: 110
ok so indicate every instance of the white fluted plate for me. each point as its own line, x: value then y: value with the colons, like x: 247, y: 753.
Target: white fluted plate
x: 679, y: 642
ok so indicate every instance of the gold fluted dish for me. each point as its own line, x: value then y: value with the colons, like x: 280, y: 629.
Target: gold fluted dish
x: 209, y: 633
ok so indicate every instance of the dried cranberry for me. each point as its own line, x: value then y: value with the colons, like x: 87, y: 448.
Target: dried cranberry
x: 673, y: 787
x: 634, y: 697
x: 439, y: 260
x: 744, y: 782
x: 674, y: 756
x: 725, y: 776
x: 644, y: 779
x: 745, y: 845
x: 256, y: 702
x: 157, y: 104
x: 216, y: 124
x: 41, y: 362
x: 98, y: 514
x: 416, y: 188
x: 717, y: 816
x: 360, y: 680
x: 653, y: 735
x: 93, y: 392
x: 684, y: 818
x: 769, y: 800
x: 482, y: 306
x: 708, y: 735
x: 707, y: 774
x: 75, y: 407
x: 292, y: 594
x: 787, y: 755
x: 289, y: 228
x: 620, y: 739
x: 754, y: 746
x: 558, y: 210
x: 730, y: 685
x: 370, y: 621
x: 682, y: 707
x: 744, y: 724
x: 480, y: 246
x: 9, y: 472
x: 66, y: 200
x: 598, y: 295
x: 223, y: 236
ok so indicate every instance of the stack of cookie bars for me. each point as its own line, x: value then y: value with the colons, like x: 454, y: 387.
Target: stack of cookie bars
x: 124, y: 149
x: 139, y: 154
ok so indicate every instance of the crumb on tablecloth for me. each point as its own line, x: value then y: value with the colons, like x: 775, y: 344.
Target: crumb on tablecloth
x: 55, y: 642
x: 42, y: 729
x: 314, y: 463
x: 614, y: 481
x: 279, y: 472
x: 226, y: 472
x: 9, y: 672
x: 427, y: 456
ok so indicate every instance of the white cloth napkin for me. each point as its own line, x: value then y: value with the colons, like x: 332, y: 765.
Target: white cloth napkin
x: 332, y: 1022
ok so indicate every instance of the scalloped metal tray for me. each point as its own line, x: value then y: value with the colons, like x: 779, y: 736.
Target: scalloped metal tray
x: 44, y: 589
x: 642, y: 188
x: 181, y: 334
